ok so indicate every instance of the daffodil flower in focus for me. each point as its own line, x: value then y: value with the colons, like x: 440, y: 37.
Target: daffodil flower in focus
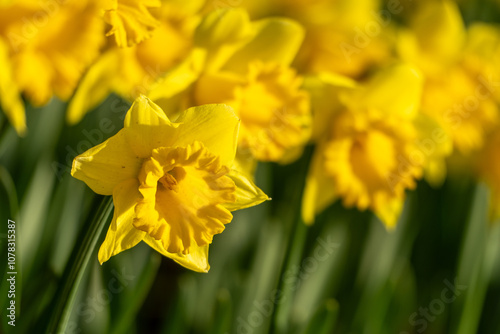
x: 247, y: 66
x: 173, y: 184
x: 367, y: 138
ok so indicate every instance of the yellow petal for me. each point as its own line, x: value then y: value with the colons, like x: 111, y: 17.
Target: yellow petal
x: 95, y: 86
x: 319, y: 190
x: 148, y: 128
x: 121, y: 234
x: 221, y: 33
x: 440, y: 34
x: 223, y: 26
x: 130, y: 20
x: 106, y: 165
x: 436, y: 145
x: 145, y: 112
x: 390, y: 212
x: 396, y: 90
x: 179, y: 78
x: 276, y: 40
x: 324, y: 89
x: 10, y: 99
x: 247, y: 193
x: 215, y: 125
x: 216, y: 87
x: 196, y: 260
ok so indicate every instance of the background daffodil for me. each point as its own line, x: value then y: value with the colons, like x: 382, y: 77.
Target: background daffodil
x: 129, y: 72
x: 173, y: 184
x: 57, y: 43
x: 459, y: 71
x: 366, y: 155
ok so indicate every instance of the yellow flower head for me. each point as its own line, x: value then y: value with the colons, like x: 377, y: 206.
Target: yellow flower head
x: 57, y: 44
x: 246, y: 65
x: 173, y: 184
x: 130, y: 20
x: 367, y: 155
x: 44, y: 50
x: 460, y: 85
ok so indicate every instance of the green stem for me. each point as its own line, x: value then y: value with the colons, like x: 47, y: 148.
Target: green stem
x: 295, y: 250
x: 65, y: 296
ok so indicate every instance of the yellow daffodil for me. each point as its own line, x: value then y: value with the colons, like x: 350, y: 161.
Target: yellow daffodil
x: 132, y: 71
x: 130, y: 20
x: 367, y: 150
x: 45, y: 49
x: 246, y: 65
x: 345, y: 37
x: 173, y: 184
x: 459, y: 90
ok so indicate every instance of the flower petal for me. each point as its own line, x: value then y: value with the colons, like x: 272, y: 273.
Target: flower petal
x: 221, y: 33
x: 396, y: 90
x: 215, y: 125
x: 147, y: 127
x: 122, y: 235
x: 145, y: 112
x: 319, y: 191
x: 324, y: 89
x: 196, y: 260
x: 106, y: 165
x: 276, y: 40
x: 390, y: 212
x: 440, y: 30
x: 96, y: 85
x: 247, y: 193
x: 222, y: 27
x: 10, y: 99
x: 178, y: 79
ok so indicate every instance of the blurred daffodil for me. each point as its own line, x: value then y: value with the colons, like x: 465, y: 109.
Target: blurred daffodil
x: 344, y: 37
x: 460, y: 80
x: 247, y: 66
x: 131, y: 21
x: 132, y: 71
x: 367, y: 150
x: 173, y: 184
x: 44, y: 51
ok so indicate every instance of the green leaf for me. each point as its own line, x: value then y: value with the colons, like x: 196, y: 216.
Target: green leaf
x: 65, y: 296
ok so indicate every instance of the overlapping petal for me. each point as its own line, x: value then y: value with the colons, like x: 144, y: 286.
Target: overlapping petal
x: 121, y: 234
x: 106, y: 165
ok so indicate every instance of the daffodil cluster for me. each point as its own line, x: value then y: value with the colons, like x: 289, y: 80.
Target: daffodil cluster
x: 387, y: 93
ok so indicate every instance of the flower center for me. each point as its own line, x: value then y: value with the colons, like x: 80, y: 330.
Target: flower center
x: 369, y: 159
x: 184, y: 189
x: 168, y: 181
